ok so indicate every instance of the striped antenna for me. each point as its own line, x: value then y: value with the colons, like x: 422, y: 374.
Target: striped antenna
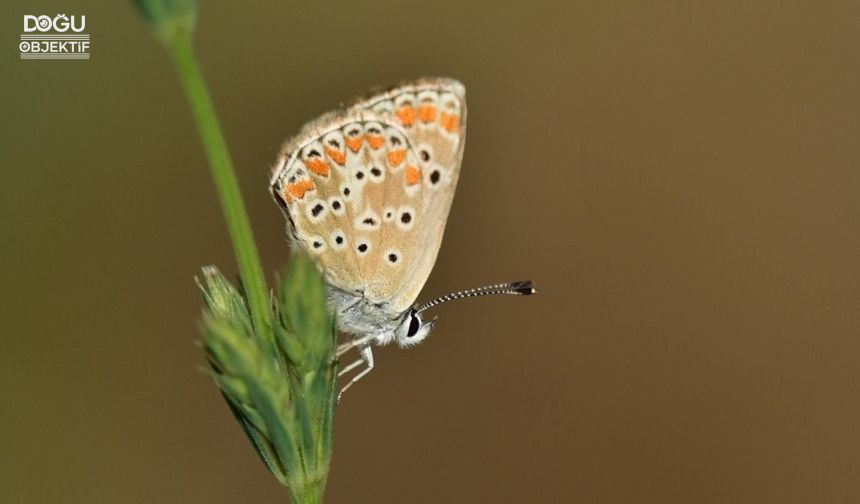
x: 524, y: 288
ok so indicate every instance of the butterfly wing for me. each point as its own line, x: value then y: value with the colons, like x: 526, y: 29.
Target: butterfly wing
x: 432, y: 113
x: 367, y: 191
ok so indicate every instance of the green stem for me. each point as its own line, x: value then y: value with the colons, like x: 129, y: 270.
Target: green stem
x: 279, y: 382
x: 181, y: 49
x: 311, y: 493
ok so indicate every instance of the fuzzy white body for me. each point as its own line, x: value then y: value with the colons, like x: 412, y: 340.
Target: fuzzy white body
x: 375, y: 322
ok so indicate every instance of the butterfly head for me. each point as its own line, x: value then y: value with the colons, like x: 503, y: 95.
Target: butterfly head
x: 412, y: 329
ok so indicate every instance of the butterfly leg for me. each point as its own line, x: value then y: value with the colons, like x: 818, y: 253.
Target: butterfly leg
x: 349, y: 345
x: 366, y: 357
x: 350, y: 367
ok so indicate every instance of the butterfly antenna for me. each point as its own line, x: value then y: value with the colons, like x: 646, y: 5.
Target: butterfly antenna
x: 524, y: 288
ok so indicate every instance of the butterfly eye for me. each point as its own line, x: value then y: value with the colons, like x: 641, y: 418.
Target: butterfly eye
x: 414, y: 324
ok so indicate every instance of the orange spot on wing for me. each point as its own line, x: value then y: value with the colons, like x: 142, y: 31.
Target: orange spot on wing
x: 449, y: 121
x: 375, y: 141
x: 298, y: 189
x: 413, y: 175
x: 427, y: 112
x: 318, y: 166
x: 354, y: 143
x: 338, y: 156
x: 396, y: 157
x: 406, y: 115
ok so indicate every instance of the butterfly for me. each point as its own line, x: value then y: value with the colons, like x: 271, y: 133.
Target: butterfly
x: 366, y: 191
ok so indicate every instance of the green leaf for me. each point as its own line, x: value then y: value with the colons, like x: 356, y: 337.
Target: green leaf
x: 260, y: 443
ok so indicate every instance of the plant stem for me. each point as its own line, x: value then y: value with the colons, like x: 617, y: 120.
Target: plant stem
x: 310, y: 494
x: 181, y: 49
x: 271, y: 357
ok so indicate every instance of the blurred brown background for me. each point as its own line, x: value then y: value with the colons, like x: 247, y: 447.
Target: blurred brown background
x: 680, y: 180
